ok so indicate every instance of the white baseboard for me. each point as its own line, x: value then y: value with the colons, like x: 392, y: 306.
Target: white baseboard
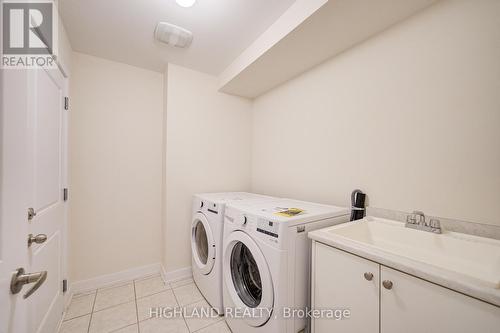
x: 127, y: 275
x: 113, y: 278
x: 68, y: 296
x: 179, y: 274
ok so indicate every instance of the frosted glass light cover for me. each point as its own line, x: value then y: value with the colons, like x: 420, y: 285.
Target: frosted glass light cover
x: 173, y: 35
x: 185, y: 3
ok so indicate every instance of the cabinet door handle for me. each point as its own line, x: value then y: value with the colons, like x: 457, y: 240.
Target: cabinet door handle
x: 368, y: 276
x: 387, y: 284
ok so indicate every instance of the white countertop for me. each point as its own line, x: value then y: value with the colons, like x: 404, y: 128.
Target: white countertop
x: 472, y: 271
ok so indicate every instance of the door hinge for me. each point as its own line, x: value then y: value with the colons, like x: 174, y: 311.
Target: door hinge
x: 66, y: 103
x: 64, y: 285
x: 31, y: 213
x: 65, y: 194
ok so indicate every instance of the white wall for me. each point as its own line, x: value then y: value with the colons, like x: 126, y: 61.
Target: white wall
x: 207, y: 150
x: 115, y: 158
x: 64, y: 50
x: 411, y: 116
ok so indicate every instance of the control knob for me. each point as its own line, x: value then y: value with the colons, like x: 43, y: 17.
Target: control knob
x: 242, y: 220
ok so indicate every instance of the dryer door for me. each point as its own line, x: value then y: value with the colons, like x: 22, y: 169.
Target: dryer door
x: 248, y: 278
x: 202, y: 244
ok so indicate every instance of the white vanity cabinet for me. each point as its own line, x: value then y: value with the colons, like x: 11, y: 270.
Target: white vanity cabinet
x: 403, y: 303
x: 415, y: 305
x: 339, y: 282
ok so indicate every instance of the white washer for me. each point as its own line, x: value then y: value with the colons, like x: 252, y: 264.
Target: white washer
x: 206, y: 241
x: 266, y: 264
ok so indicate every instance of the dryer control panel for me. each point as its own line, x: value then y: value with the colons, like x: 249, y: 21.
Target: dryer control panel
x: 206, y: 206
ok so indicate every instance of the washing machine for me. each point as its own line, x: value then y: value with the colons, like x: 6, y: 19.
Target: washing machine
x: 266, y: 263
x: 206, y: 241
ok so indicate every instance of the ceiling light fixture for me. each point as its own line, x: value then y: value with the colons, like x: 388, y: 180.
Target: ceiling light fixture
x: 185, y: 3
x: 174, y: 35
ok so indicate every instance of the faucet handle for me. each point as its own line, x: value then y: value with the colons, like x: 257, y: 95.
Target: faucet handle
x: 435, y: 224
x: 421, y: 217
x: 411, y: 219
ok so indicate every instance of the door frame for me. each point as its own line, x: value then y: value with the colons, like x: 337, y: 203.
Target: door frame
x: 58, y: 75
x: 65, y: 184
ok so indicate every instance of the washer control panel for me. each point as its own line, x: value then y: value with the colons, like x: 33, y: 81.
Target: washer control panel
x: 268, y: 228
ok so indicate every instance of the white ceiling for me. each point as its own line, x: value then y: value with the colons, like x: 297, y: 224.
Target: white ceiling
x: 122, y: 30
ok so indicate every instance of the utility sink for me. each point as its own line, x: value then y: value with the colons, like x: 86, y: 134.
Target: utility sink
x: 475, y: 258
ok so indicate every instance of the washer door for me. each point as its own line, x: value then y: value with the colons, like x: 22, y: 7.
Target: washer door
x: 202, y: 244
x: 248, y: 278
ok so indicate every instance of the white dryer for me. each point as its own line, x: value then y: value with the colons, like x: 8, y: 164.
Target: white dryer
x: 266, y: 264
x: 206, y: 241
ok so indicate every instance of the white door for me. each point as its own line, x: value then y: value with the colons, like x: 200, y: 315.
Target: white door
x: 13, y: 222
x: 413, y: 305
x: 344, y: 281
x: 33, y: 176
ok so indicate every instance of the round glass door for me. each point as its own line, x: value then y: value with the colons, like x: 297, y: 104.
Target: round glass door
x: 201, y: 241
x: 247, y: 277
x: 202, y: 244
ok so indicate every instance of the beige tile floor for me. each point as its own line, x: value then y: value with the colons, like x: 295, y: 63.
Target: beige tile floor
x: 125, y: 308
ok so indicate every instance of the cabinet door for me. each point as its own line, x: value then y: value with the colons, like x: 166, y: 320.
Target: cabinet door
x: 413, y: 305
x: 338, y: 282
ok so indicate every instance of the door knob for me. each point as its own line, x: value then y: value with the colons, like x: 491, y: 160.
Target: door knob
x: 39, y: 239
x: 19, y: 279
x: 387, y: 284
x: 368, y: 276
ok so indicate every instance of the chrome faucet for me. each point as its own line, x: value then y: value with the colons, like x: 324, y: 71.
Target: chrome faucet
x: 416, y: 220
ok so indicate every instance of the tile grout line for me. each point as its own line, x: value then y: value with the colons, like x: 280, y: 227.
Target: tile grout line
x: 179, y: 305
x: 155, y: 293
x: 119, y: 329
x: 168, y: 286
x: 115, y: 305
x: 124, y: 302
x: 202, y: 297
x: 90, y: 292
x: 125, y: 282
x: 221, y: 318
x: 92, y: 312
x: 135, y: 299
x: 202, y: 328
x: 136, y: 309
x: 65, y: 312
x: 159, y: 292
x: 80, y: 316
x: 189, y: 304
